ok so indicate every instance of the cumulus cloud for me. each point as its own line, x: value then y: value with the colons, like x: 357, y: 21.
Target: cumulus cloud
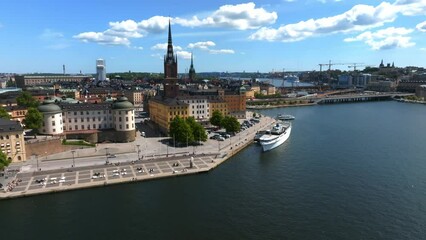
x: 411, y: 7
x: 360, y: 17
x: 388, y: 38
x: 240, y: 16
x: 183, y: 54
x: 102, y: 38
x: 202, y: 45
x: 206, y: 46
x: 422, y: 49
x: 421, y: 26
x: 221, y: 51
x: 163, y: 46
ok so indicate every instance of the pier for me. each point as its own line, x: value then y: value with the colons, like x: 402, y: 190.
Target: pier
x: 360, y: 98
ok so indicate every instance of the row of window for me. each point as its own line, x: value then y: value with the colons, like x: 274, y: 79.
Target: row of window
x: 104, y: 112
x: 96, y: 126
x: 7, y: 136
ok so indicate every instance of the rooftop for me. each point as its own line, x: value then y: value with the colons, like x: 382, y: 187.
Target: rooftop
x: 9, y: 126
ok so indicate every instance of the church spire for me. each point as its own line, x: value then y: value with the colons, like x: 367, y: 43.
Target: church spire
x: 192, y: 69
x: 170, y: 34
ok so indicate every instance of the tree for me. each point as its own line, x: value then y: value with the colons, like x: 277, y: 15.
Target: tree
x: 231, y: 124
x: 180, y: 130
x: 4, y: 162
x: 198, y: 131
x: 33, y: 119
x: 4, y: 114
x: 26, y: 100
x: 216, y: 118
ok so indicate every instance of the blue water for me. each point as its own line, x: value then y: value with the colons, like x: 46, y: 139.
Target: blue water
x: 348, y: 171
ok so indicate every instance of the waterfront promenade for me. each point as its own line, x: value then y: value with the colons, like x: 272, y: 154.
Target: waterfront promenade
x: 64, y: 172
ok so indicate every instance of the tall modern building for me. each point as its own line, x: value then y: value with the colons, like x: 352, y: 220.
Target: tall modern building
x: 100, y: 70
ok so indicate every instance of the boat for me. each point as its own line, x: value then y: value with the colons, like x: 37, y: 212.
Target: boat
x: 277, y: 136
x: 259, y: 134
x: 285, y: 117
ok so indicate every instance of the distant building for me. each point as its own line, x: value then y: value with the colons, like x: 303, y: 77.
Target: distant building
x: 344, y: 81
x: 24, y: 81
x: 100, y: 70
x: 12, y: 140
x: 421, y: 91
x: 17, y: 113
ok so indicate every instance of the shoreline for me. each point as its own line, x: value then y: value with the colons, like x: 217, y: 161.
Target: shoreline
x: 202, y: 163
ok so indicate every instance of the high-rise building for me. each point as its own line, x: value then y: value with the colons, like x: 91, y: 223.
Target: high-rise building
x: 100, y: 70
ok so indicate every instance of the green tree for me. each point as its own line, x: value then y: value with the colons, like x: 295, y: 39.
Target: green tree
x: 3, y: 160
x: 3, y: 113
x: 216, y: 118
x: 26, y: 100
x: 197, y: 129
x: 33, y: 119
x: 180, y: 130
x: 231, y: 124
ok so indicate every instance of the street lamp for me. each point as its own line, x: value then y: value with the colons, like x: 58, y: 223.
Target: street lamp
x: 139, y: 151
x: 73, y: 160
x: 106, y: 155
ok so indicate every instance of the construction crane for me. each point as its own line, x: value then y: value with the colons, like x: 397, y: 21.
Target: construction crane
x: 329, y: 64
x: 355, y: 65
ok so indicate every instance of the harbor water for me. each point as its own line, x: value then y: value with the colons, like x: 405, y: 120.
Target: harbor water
x: 348, y: 171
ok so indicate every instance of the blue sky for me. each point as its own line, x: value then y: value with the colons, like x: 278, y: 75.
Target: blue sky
x: 42, y: 35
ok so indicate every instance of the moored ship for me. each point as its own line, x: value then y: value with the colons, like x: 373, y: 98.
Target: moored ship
x: 285, y: 117
x: 276, y: 136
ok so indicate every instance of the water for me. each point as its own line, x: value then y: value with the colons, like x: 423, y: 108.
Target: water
x: 349, y: 171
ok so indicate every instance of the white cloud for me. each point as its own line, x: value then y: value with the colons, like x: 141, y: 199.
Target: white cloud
x: 102, y: 38
x: 163, y: 46
x: 422, y: 49
x: 138, y: 48
x: 202, y: 45
x: 421, y: 26
x: 388, y: 38
x: 411, y: 7
x: 240, y: 16
x: 154, y: 24
x: 360, y: 17
x: 221, y: 51
x: 183, y: 54
x: 49, y: 34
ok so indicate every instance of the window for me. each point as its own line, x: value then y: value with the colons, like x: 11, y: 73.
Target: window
x: 65, y: 128
x: 19, y: 158
x: 54, y: 130
x: 70, y: 128
x: 76, y: 127
x: 17, y: 136
x: 75, y: 120
x: 94, y: 126
x: 82, y: 127
x: 119, y: 119
x: 104, y: 118
x: 99, y: 119
x: 53, y: 123
x: 81, y: 113
x: 120, y: 126
x: 88, y: 119
x: 53, y: 116
x: 7, y: 136
x: 127, y: 126
x: 127, y: 119
x: 69, y: 120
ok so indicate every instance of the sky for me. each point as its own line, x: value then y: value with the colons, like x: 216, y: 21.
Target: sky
x: 224, y: 36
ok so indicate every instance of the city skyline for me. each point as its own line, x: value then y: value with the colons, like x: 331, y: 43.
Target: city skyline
x: 232, y: 36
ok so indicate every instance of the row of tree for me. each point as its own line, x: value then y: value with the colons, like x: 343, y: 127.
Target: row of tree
x: 230, y: 123
x: 187, y: 130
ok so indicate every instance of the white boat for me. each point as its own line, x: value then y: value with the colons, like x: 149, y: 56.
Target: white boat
x: 285, y: 117
x: 277, y: 136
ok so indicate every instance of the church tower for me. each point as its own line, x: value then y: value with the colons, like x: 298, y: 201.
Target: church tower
x: 192, y: 70
x: 171, y: 88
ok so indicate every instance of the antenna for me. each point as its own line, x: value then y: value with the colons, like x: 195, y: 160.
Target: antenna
x: 63, y: 68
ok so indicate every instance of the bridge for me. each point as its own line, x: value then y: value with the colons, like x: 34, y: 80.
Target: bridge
x: 360, y: 97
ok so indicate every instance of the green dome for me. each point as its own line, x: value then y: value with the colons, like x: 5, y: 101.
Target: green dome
x: 48, y: 106
x: 122, y: 103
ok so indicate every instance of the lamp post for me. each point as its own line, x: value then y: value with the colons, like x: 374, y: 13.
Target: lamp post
x: 138, y: 146
x: 73, y: 160
x: 106, y: 155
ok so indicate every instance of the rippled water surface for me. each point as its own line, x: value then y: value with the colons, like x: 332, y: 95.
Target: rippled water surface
x: 349, y: 171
